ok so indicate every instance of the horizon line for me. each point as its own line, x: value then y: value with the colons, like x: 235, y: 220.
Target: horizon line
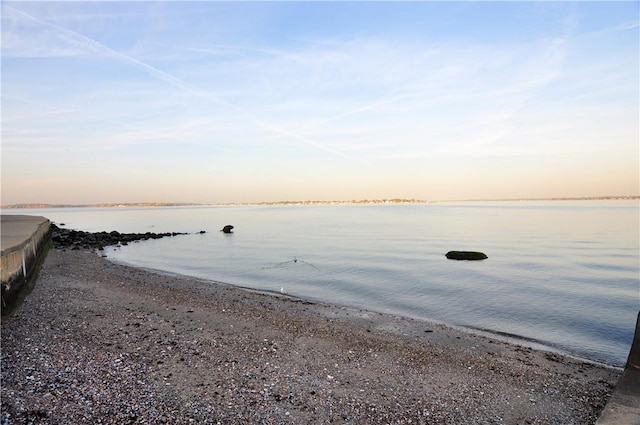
x: 42, y: 205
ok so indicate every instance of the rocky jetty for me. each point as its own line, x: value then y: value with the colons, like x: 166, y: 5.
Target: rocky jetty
x: 78, y: 239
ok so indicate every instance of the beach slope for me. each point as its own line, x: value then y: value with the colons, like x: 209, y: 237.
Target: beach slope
x: 98, y: 342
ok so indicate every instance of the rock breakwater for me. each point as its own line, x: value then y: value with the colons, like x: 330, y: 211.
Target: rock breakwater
x: 78, y: 239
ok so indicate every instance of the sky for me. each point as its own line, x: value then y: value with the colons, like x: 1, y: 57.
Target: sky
x: 221, y: 102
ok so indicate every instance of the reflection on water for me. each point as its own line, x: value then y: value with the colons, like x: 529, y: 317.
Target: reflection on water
x: 564, y: 273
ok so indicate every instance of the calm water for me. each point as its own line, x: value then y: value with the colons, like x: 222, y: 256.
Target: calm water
x: 563, y: 274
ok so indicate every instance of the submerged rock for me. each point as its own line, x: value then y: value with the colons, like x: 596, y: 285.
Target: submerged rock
x: 466, y: 255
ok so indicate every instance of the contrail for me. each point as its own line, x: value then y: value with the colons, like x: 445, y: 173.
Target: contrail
x: 87, y: 43
x: 371, y: 105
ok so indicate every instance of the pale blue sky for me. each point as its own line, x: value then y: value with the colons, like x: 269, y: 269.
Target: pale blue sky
x: 253, y: 101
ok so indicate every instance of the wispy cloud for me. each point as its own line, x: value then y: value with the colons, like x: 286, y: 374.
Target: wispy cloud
x: 272, y: 91
x: 355, y: 79
x: 452, y: 84
x: 87, y: 44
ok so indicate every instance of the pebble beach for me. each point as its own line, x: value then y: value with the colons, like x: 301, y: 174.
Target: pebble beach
x: 102, y: 343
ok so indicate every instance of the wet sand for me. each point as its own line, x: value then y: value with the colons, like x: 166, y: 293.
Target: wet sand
x: 98, y: 342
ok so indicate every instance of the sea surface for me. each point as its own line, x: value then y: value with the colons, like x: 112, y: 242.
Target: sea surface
x: 563, y: 275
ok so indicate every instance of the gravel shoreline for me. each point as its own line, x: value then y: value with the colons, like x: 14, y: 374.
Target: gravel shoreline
x: 102, y: 343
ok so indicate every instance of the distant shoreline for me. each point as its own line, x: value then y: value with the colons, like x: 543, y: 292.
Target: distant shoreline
x: 309, y: 202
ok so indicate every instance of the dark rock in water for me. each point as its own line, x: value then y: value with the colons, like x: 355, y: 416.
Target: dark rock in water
x: 202, y: 232
x: 227, y: 229
x: 466, y: 255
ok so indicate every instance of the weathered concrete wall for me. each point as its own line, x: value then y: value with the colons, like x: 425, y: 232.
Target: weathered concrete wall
x: 624, y: 406
x: 25, y: 241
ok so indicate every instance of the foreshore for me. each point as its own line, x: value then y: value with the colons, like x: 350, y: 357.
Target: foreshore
x: 98, y: 342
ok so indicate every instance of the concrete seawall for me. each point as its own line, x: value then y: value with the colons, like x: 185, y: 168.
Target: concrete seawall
x: 624, y: 406
x: 24, y: 243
